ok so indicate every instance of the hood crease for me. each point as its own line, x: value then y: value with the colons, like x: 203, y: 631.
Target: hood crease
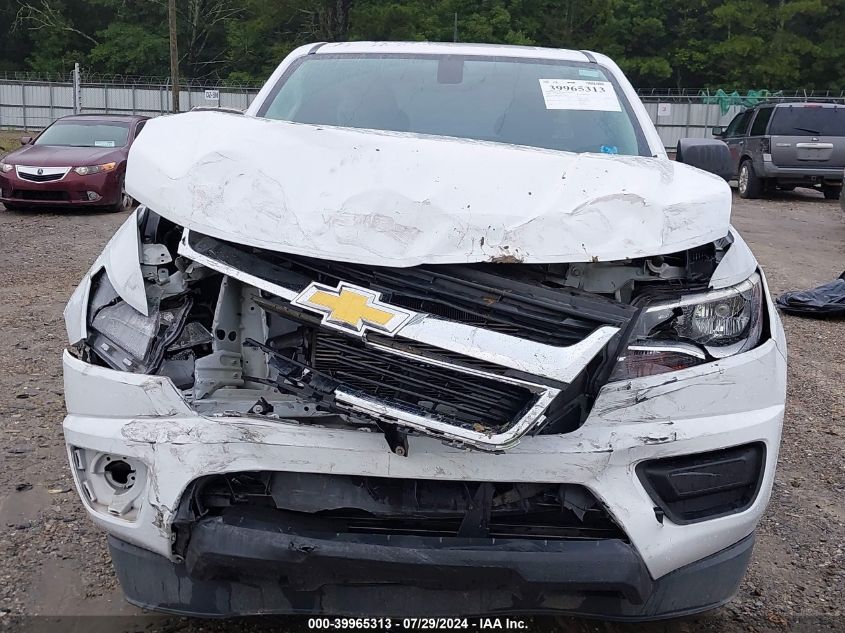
x: 399, y: 199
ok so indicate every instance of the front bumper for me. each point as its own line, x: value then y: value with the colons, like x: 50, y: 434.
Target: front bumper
x: 248, y: 568
x: 72, y: 190
x: 734, y: 401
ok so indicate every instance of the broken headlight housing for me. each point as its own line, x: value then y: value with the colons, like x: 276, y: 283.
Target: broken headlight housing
x: 127, y: 340
x: 694, y: 329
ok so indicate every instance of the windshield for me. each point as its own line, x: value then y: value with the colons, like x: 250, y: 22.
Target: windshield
x: 82, y: 134
x: 808, y: 121
x: 557, y: 105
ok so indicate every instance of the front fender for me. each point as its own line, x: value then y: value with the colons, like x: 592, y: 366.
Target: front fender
x: 121, y: 259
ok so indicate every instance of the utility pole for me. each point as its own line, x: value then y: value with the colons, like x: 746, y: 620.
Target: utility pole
x: 77, y: 90
x: 174, y: 54
x: 455, y: 31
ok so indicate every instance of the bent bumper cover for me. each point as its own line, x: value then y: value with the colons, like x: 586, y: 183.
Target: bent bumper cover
x: 248, y: 568
x: 694, y: 410
x: 663, y: 569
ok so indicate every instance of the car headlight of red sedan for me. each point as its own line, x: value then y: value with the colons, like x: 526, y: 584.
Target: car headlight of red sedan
x: 6, y: 167
x: 87, y: 170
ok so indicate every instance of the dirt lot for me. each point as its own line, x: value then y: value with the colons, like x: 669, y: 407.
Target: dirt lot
x: 55, y: 563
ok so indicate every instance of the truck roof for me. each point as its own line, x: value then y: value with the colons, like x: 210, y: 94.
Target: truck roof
x: 440, y: 48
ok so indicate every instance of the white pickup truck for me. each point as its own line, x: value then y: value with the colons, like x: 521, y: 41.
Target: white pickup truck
x: 431, y: 329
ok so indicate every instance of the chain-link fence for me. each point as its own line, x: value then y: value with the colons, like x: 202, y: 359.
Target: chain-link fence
x: 31, y: 102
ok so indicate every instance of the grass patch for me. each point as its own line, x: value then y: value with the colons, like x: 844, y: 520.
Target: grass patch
x: 10, y: 140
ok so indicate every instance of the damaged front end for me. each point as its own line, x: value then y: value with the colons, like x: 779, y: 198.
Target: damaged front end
x: 476, y: 355
x: 336, y: 363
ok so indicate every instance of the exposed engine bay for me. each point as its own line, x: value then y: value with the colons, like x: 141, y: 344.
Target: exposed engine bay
x: 475, y: 354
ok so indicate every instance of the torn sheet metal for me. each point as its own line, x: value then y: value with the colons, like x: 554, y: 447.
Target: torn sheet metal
x: 399, y: 199
x: 121, y: 259
x: 127, y: 393
x: 720, y: 388
x: 736, y: 266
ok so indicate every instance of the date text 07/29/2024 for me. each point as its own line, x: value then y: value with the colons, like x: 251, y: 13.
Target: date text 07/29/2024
x: 421, y: 624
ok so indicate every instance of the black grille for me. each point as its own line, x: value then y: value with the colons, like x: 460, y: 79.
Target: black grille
x: 421, y: 507
x: 472, y: 294
x: 518, y: 299
x: 444, y: 355
x: 426, y: 388
x: 40, y: 178
x: 29, y: 194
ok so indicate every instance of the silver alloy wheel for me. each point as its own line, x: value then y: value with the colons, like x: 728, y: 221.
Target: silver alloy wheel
x: 743, y: 178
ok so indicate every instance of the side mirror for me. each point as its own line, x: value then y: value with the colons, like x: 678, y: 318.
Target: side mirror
x: 707, y: 154
x: 26, y: 140
x: 717, y: 130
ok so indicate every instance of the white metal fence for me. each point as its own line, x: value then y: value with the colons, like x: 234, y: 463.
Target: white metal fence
x: 678, y: 114
x: 31, y: 104
x: 677, y: 120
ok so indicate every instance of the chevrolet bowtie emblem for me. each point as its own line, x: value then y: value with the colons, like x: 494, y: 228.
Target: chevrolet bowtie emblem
x: 352, y: 308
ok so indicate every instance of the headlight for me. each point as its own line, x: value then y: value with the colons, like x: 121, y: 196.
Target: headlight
x: 694, y: 329
x: 126, y: 339
x: 94, y: 169
x: 6, y: 167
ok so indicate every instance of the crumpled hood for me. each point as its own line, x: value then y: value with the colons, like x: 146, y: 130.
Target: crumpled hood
x: 397, y: 199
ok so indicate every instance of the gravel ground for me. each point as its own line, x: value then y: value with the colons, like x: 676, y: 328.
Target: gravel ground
x: 56, y: 564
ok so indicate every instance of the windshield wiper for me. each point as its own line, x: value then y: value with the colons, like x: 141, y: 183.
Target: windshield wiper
x: 806, y: 129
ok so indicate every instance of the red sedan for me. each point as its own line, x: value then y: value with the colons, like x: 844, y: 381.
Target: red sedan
x: 78, y: 161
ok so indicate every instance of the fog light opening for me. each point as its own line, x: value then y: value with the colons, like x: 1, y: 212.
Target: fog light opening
x: 701, y: 486
x: 120, y: 475
x: 93, y: 196
x: 111, y: 484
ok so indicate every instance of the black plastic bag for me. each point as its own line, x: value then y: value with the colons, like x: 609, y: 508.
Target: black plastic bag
x: 827, y: 300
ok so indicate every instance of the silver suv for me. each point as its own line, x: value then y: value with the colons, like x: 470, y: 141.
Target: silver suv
x: 787, y: 145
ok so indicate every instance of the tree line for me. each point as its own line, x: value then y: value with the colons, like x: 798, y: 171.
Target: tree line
x: 729, y: 44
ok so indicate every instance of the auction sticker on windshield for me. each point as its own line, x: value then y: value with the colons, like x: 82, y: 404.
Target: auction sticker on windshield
x: 579, y: 94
